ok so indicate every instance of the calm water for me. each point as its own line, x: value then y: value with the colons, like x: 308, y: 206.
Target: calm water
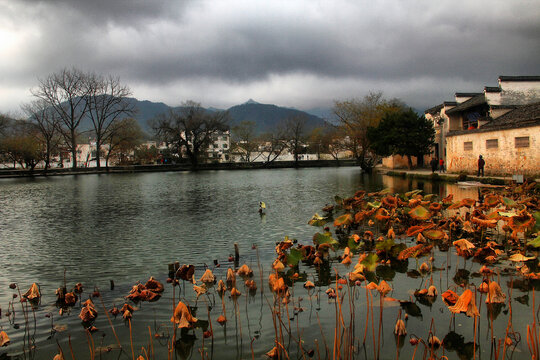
x: 128, y: 227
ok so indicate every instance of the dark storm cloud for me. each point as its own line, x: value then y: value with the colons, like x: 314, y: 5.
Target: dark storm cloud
x: 418, y: 50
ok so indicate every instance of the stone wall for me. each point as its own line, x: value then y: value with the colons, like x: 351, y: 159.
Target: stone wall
x: 506, y: 159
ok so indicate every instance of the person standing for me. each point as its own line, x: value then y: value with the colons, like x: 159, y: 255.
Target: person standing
x: 481, y: 164
x: 441, y: 165
x: 433, y: 164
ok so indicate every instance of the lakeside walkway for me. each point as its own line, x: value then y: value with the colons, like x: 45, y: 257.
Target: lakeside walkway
x: 444, y: 176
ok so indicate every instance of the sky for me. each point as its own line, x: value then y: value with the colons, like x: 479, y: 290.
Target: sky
x: 296, y: 53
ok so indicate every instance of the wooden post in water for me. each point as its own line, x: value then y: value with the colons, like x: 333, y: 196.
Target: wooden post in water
x: 236, y: 255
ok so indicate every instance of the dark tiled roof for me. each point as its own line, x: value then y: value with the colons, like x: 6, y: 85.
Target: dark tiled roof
x: 434, y: 110
x: 472, y: 102
x: 450, y: 103
x: 523, y: 116
x: 519, y: 78
x: 466, y: 94
x: 492, y: 89
x: 504, y: 106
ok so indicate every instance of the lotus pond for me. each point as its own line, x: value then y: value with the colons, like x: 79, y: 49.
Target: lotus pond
x: 386, y: 268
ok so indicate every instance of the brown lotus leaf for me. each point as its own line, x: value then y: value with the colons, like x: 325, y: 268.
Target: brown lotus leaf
x: 414, y: 251
x: 414, y: 230
x: 346, y: 260
x: 70, y: 299
x: 154, y: 285
x: 208, y: 277
x: 278, y: 265
x: 484, y: 287
x: 147, y: 295
x: 356, y: 276
x: 382, y: 214
x: 520, y: 257
x: 244, y: 270
x: 221, y: 319
x: 251, y: 285
x: 424, y: 267
x: 465, y: 304
x: 371, y: 286
x: 463, y: 247
x: 231, y: 277
x: 182, y: 316
x: 449, y: 297
x: 273, y: 354
x: 235, y: 293
x: 434, y: 234
x: 200, y: 290
x: 467, y: 226
x: 127, y: 307
x: 343, y: 220
x: 78, y: 288
x: 279, y: 285
x: 484, y: 223
x: 309, y: 285
x: 368, y: 235
x: 346, y: 252
x: 400, y: 329
x: 362, y: 215
x: 4, y: 338
x: 88, y: 312
x: 492, y: 200
x: 484, y: 270
x: 495, y: 294
x: 448, y: 199
x: 432, y: 291
x: 391, y: 234
x: 463, y: 203
x: 521, y: 222
x: 390, y: 202
x: 421, y: 292
x: 221, y: 288
x: 58, y: 357
x: 32, y: 293
x: 435, y: 207
x: 127, y: 315
x: 434, y: 342
x: 317, y: 261
x: 413, y: 203
x: 420, y: 213
x: 186, y: 272
x: 355, y: 238
x: 114, y: 311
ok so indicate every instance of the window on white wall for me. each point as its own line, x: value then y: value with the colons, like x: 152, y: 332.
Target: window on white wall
x: 492, y: 144
x: 467, y: 145
x: 522, y: 142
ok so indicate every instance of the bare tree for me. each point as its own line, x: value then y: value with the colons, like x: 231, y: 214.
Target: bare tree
x: 295, y: 135
x: 43, y: 116
x: 273, y: 145
x: 20, y: 144
x: 65, y: 93
x: 333, y: 142
x: 245, y: 140
x: 122, y: 137
x: 107, y: 103
x: 190, y: 129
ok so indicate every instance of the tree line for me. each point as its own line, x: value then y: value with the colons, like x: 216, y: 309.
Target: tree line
x: 368, y: 128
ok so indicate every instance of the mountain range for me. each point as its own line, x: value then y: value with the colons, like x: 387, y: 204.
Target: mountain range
x: 265, y: 116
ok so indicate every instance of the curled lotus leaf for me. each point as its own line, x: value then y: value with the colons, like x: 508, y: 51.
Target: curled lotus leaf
x: 420, y: 213
x: 390, y: 202
x: 182, y: 316
x: 400, y: 329
x: 382, y: 214
x: 465, y: 304
x: 412, y: 193
x: 520, y: 257
x: 414, y: 251
x: 309, y: 285
x: 344, y: 220
x: 235, y: 293
x: 318, y: 220
x: 374, y: 204
x: 484, y: 223
x: 492, y: 200
x: 434, y: 234
x: 435, y: 207
x: 32, y: 293
x: 153, y: 285
x: 449, y: 297
x: 495, y: 294
x: 383, y: 288
x: 325, y: 238
x: 448, y: 200
x: 208, y: 276
x: 521, y: 222
x: 88, y: 312
x: 186, y: 272
x: 244, y: 270
x: 415, y: 230
x: 200, y: 290
x: 4, y: 338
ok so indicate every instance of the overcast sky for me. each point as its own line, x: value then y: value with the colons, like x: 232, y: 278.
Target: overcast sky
x: 295, y: 53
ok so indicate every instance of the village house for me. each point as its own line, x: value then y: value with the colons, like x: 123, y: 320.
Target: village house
x: 501, y: 123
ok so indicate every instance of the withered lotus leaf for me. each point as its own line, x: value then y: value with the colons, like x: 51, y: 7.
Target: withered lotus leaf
x: 448, y: 199
x: 371, y: 286
x: 235, y: 293
x: 208, y: 277
x: 521, y: 222
x: 484, y: 223
x: 391, y: 233
x: 221, y: 319
x: 114, y: 311
x: 346, y: 260
x: 221, y: 288
x: 127, y: 307
x: 400, y: 329
x: 424, y: 267
x: 244, y: 270
x: 420, y: 213
x: 251, y: 285
x: 309, y: 285
x: 4, y: 338
x: 278, y: 265
x: 435, y: 207
x: 88, y: 312
x: 70, y: 299
x: 356, y: 276
x: 382, y: 214
x: 182, y: 316
x: 468, y: 227
x: 273, y: 354
x: 465, y: 304
x: 186, y: 272
x: 78, y: 288
x: 520, y: 257
x: 127, y: 315
x: 390, y: 202
x: 231, y: 277
x: 58, y: 357
x: 154, y: 285
x: 492, y: 200
x: 414, y: 230
x: 414, y: 251
x: 432, y: 291
x: 463, y: 247
x: 200, y: 290
x: 449, y: 297
x: 32, y: 293
x: 434, y: 234
x: 495, y: 294
x: 484, y: 287
x: 343, y: 220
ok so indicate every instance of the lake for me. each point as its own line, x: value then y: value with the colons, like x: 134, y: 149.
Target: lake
x: 124, y: 228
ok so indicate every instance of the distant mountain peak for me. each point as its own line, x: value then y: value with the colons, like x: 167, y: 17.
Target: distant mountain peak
x: 250, y: 101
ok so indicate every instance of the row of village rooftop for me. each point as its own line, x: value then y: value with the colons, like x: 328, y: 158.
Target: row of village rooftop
x: 501, y: 123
